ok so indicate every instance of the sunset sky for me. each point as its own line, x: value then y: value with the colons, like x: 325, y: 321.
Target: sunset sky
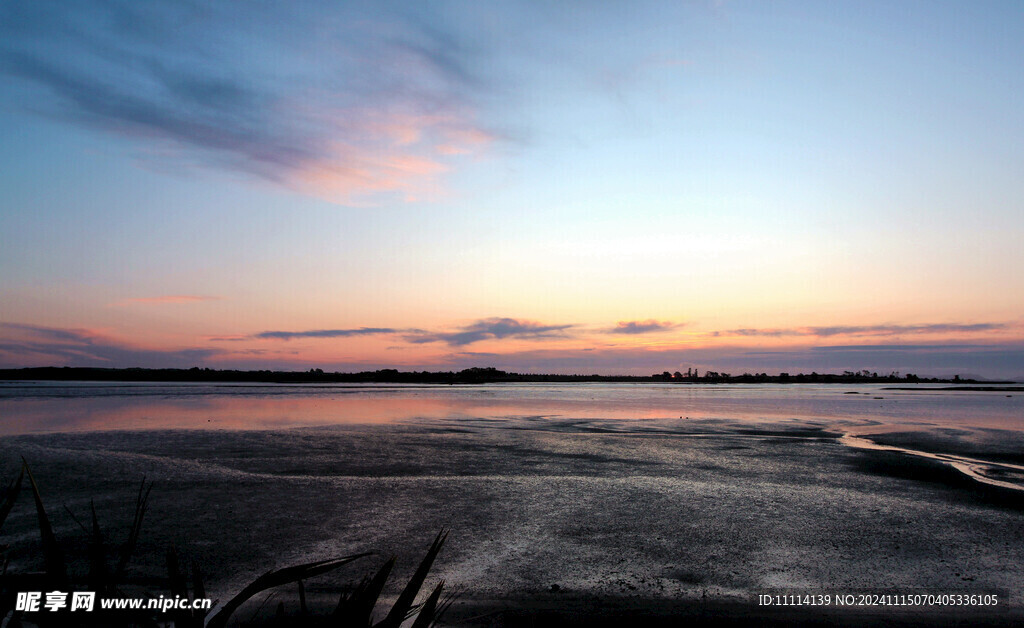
x: 586, y: 187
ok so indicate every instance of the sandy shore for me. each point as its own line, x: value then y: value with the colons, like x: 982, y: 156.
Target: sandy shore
x: 554, y: 520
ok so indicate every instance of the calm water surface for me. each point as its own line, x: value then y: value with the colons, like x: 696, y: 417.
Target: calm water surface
x: 653, y: 490
x: 41, y: 407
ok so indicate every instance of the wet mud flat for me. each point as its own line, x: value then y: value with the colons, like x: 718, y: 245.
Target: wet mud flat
x: 553, y: 520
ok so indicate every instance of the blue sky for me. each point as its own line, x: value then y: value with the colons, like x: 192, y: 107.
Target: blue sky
x: 178, y: 173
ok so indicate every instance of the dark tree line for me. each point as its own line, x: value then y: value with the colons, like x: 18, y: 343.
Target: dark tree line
x: 475, y: 375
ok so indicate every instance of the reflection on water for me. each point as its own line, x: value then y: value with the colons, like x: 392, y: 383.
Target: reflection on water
x: 755, y: 489
x: 999, y: 474
x: 36, y: 407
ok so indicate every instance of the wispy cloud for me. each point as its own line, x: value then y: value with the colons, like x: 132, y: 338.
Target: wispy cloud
x: 31, y: 344
x: 870, y: 330
x: 49, y: 333
x: 643, y: 327
x: 175, y: 298
x: 484, y: 329
x: 354, y: 104
x: 324, y: 333
x: 492, y: 329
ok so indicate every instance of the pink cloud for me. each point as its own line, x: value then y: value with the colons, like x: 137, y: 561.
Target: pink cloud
x: 398, y: 153
x: 361, y: 175
x: 464, y: 141
x: 226, y: 338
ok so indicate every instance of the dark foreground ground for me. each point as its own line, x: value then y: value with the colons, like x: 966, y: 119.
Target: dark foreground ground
x: 554, y: 522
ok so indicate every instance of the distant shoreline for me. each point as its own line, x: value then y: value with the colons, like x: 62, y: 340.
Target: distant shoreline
x: 466, y: 376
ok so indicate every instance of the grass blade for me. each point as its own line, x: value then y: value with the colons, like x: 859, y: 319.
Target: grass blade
x: 75, y: 519
x: 277, y: 578
x: 358, y: 607
x: 10, y: 495
x: 429, y: 609
x: 446, y: 603
x: 128, y: 548
x: 53, y: 557
x: 405, y: 601
x: 178, y: 586
x: 255, y: 613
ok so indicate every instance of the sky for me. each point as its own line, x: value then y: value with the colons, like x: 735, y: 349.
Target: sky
x: 576, y: 187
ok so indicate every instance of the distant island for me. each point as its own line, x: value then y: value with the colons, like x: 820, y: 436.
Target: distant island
x: 474, y: 375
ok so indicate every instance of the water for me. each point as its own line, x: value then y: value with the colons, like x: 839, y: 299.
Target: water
x: 634, y: 491
x: 40, y: 407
